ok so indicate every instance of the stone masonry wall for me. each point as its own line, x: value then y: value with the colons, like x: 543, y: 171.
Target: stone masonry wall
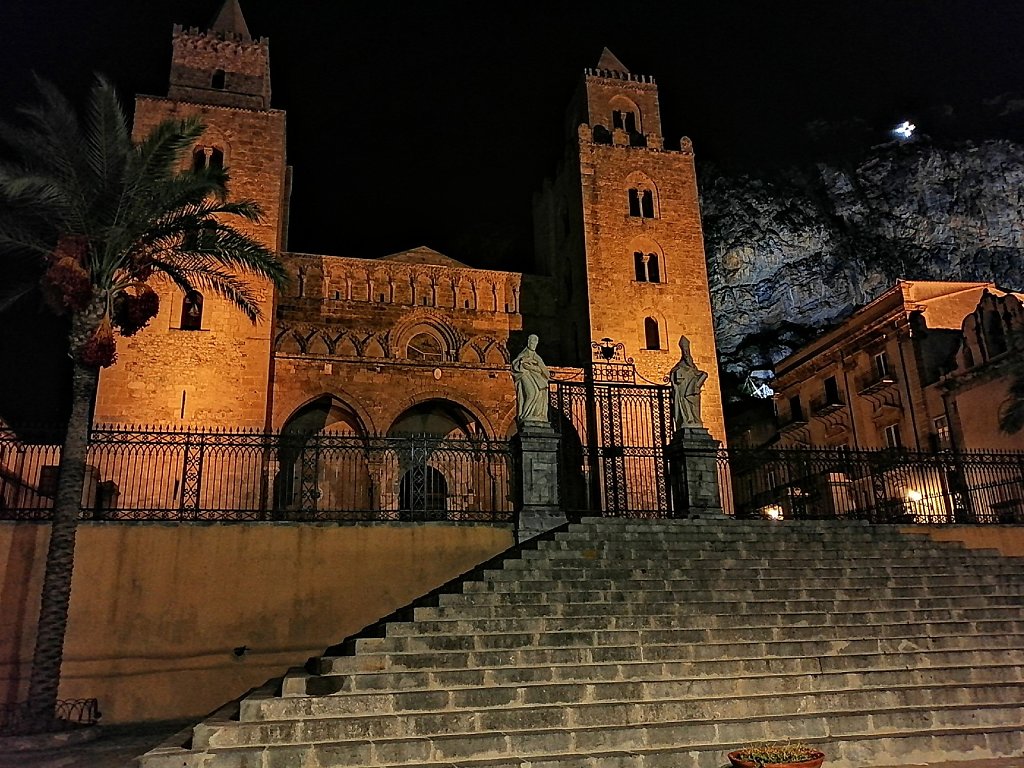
x: 217, y: 376
x: 618, y: 302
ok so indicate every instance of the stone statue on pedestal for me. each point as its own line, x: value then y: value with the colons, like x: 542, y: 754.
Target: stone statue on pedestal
x: 687, y: 382
x: 531, y: 378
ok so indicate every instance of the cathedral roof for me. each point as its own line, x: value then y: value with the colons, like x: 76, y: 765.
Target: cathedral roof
x: 611, y: 62
x: 231, y: 21
x: 425, y: 255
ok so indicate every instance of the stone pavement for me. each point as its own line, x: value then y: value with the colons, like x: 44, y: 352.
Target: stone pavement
x: 116, y: 746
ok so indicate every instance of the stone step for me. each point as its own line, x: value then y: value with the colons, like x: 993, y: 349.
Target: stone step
x: 698, y: 607
x: 460, y: 625
x: 479, y: 641
x: 941, y: 745
x: 971, y: 683
x: 753, y: 648
x: 725, y: 595
x: 601, y: 538
x: 625, y: 568
x: 474, y: 711
x: 301, y: 683
x: 535, y: 740
x: 644, y: 581
x: 746, y: 546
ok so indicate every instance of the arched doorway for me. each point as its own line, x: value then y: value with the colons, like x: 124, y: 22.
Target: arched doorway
x: 323, y: 468
x: 436, y: 471
x: 423, y: 490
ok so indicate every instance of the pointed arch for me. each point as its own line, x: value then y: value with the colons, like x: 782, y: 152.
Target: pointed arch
x: 646, y: 261
x: 625, y: 115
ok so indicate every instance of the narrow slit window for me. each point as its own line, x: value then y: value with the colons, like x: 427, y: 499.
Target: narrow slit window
x: 218, y: 80
x: 192, y: 312
x: 198, y: 158
x: 647, y: 204
x: 634, y: 202
x: 639, y: 267
x: 652, y: 335
x: 653, y: 271
x: 216, y: 158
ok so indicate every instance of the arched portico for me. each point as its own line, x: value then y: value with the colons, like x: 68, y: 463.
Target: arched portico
x: 323, y: 470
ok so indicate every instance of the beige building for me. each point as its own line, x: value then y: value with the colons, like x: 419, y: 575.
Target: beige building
x: 917, y: 368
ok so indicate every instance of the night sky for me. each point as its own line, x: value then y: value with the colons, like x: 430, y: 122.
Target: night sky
x: 431, y: 123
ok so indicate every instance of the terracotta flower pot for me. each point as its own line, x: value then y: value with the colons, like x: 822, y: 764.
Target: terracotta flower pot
x: 813, y: 761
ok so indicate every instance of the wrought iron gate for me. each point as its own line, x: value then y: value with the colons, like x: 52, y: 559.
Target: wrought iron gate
x: 614, y: 432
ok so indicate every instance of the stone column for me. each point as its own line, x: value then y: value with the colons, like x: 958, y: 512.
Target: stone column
x: 693, y: 470
x: 537, y: 479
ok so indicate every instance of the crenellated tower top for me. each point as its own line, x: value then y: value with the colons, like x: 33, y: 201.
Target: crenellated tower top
x: 222, y: 65
x: 613, y: 99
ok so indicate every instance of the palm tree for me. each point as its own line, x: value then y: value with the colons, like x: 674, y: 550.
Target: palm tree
x: 99, y: 217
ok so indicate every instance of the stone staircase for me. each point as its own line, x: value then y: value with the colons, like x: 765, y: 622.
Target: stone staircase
x: 661, y: 644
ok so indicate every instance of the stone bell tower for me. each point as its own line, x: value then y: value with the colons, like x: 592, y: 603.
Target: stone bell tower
x: 619, y: 227
x: 201, y: 362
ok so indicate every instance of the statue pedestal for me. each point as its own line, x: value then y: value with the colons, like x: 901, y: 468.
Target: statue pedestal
x: 537, y: 479
x: 693, y: 467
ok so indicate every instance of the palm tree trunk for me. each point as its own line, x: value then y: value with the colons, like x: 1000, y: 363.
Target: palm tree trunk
x: 60, y: 557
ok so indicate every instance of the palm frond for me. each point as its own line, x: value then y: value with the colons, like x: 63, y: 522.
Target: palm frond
x: 108, y: 149
x: 198, y: 276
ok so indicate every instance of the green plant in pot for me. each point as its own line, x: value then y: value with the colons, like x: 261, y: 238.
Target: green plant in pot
x: 768, y: 755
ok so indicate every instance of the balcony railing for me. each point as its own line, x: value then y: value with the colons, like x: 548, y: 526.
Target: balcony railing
x: 875, y: 382
x: 823, y: 406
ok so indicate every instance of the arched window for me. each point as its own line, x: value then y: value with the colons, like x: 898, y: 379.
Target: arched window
x: 652, y: 335
x: 641, y: 203
x: 624, y: 119
x: 218, y: 79
x: 426, y: 347
x: 192, y: 312
x: 207, y: 157
x: 646, y: 267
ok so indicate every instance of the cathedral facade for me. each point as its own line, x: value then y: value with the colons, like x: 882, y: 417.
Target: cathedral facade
x: 416, y: 342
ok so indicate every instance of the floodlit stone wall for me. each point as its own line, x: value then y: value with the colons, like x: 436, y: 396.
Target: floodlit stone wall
x: 157, y: 610
x: 218, y: 375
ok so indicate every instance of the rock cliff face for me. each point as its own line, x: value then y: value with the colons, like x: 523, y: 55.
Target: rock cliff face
x: 789, y: 256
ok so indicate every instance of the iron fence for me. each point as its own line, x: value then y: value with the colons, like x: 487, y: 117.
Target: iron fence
x: 614, y: 432
x: 248, y: 476
x: 18, y: 719
x: 881, y: 486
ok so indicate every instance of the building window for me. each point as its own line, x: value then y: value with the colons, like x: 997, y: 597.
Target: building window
x: 882, y: 364
x: 652, y: 335
x: 192, y: 312
x: 641, y: 203
x: 796, y: 410
x: 624, y: 120
x: 207, y: 157
x: 893, y: 439
x: 218, y: 80
x: 942, y: 441
x: 832, y: 391
x: 646, y: 267
x: 424, y: 346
